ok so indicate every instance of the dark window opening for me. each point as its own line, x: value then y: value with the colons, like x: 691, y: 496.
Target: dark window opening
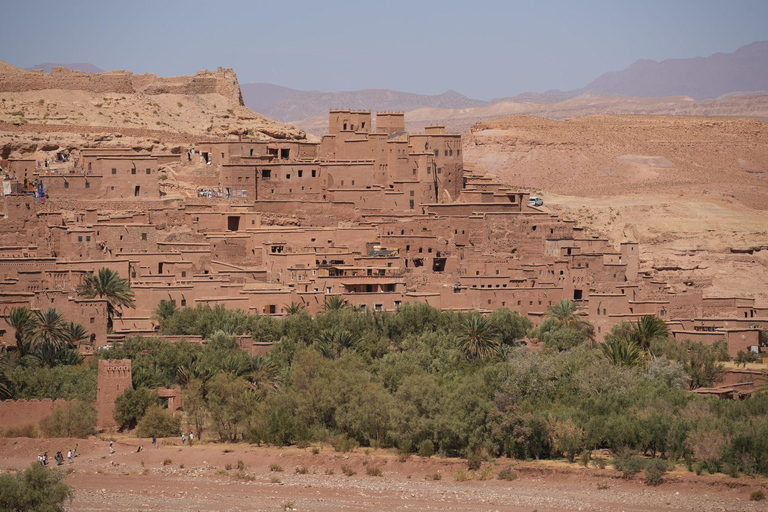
x: 418, y: 262
x: 136, y: 191
x: 438, y: 265
x: 233, y: 223
x: 577, y: 294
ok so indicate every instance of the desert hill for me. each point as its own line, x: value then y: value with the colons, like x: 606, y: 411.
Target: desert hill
x: 462, y: 119
x: 207, y: 104
x: 693, y: 190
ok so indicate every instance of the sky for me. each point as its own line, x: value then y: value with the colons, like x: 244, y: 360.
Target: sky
x: 483, y: 49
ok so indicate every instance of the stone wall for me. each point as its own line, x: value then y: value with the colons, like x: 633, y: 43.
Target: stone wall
x: 15, y: 413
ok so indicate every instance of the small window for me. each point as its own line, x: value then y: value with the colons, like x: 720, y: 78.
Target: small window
x: 143, y: 236
x: 133, y: 171
x: 314, y: 173
x: 183, y: 273
x: 301, y: 174
x: 414, y: 172
x: 66, y: 184
x: 79, y: 238
x: 183, y: 302
x: 149, y: 171
x: 88, y: 238
x: 114, y: 171
x: 87, y: 184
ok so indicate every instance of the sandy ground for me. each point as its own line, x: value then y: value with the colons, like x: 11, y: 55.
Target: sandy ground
x: 176, y: 478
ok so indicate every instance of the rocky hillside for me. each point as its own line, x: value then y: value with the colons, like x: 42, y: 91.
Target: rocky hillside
x: 206, y: 104
x: 694, y: 190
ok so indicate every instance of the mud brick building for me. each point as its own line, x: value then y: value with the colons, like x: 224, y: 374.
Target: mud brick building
x: 371, y: 213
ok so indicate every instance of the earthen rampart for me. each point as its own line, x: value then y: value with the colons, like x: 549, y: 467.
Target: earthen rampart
x: 15, y: 413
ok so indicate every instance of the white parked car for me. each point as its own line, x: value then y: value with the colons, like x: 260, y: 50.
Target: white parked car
x: 535, y: 201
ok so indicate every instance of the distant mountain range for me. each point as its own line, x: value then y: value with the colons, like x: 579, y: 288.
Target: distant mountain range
x: 744, y: 71
x: 282, y: 103
x: 82, y: 66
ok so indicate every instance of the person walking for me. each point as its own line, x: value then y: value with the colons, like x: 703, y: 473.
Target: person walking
x: 111, y: 449
x: 183, y: 439
x: 45, y: 459
x: 74, y: 452
x: 154, y: 441
x: 69, y: 456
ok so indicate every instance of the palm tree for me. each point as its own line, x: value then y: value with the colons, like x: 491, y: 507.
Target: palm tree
x: 293, y: 308
x: 571, y: 314
x: 623, y: 351
x: 165, y: 309
x: 50, y: 332
x: 647, y: 329
x: 107, y: 284
x: 335, y: 303
x: 23, y: 322
x: 478, y: 339
x: 76, y: 333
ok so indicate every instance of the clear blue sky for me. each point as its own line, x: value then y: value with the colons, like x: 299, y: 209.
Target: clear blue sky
x: 483, y: 49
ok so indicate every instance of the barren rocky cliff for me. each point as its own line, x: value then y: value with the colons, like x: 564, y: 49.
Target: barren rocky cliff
x: 119, y: 103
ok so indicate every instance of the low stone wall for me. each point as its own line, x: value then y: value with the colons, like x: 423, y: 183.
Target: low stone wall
x: 15, y: 413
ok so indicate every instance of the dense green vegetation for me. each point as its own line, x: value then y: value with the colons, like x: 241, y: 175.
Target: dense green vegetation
x: 422, y: 380
x: 458, y: 384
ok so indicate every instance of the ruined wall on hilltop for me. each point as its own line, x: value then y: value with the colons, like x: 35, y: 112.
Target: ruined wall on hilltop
x: 222, y: 81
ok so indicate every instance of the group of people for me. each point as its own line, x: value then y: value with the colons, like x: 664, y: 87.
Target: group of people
x: 42, y: 459
x: 184, y: 438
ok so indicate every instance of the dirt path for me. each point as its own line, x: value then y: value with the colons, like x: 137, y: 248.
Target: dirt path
x: 175, y: 478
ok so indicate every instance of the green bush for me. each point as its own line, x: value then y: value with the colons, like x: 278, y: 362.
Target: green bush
x: 75, y: 419
x: 629, y: 464
x: 159, y: 422
x: 654, y: 471
x: 132, y: 404
x: 426, y: 448
x: 507, y: 474
x: 758, y: 495
x: 342, y: 443
x: 36, y: 488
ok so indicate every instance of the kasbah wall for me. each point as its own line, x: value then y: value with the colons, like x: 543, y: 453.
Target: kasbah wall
x: 16, y: 413
x: 114, y: 378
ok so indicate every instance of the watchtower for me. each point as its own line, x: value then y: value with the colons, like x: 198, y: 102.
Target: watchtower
x: 114, y: 378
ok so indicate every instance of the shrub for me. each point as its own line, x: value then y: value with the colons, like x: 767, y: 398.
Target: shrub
x: 347, y: 470
x: 75, y: 419
x: 132, y: 404
x: 167, y: 462
x: 486, y: 474
x: 434, y: 476
x: 301, y: 470
x: 507, y: 474
x: 275, y: 467
x: 28, y: 430
x: 629, y: 464
x: 342, y: 443
x: 159, y: 422
x: 228, y: 467
x: 426, y: 448
x: 36, y: 488
x: 758, y: 495
x: 461, y: 476
x: 654, y: 472
x: 603, y: 486
x: 474, y: 461
x: 240, y: 465
x: 315, y: 450
x: 373, y: 470
x: 584, y: 458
